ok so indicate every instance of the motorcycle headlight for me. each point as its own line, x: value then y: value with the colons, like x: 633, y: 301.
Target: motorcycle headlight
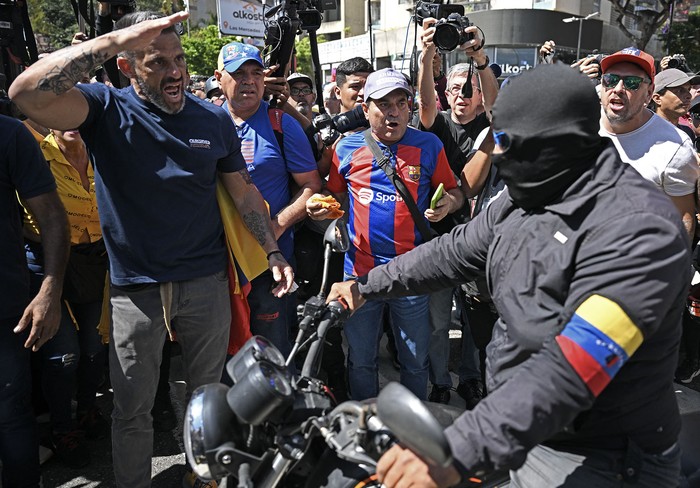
x: 209, y: 424
x: 259, y: 392
x: 257, y: 348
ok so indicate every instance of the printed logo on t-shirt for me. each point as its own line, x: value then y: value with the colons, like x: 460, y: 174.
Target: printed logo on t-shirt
x: 365, y: 195
x: 414, y: 173
x: 200, y: 143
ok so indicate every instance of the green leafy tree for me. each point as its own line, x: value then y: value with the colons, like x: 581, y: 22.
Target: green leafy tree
x: 53, y: 19
x: 684, y: 38
x: 202, y: 48
x: 303, y: 55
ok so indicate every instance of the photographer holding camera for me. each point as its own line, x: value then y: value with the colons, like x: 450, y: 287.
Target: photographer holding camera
x: 457, y: 128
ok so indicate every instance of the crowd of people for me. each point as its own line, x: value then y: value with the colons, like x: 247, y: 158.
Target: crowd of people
x: 555, y: 213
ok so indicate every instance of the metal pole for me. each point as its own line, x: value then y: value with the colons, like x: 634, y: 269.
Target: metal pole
x: 578, y: 46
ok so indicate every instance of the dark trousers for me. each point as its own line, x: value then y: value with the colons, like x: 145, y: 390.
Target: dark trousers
x: 19, y: 445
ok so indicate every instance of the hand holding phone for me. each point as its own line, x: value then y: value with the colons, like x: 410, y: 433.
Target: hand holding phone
x: 437, y: 196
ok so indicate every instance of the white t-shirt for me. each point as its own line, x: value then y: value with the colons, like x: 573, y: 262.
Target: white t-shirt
x: 661, y: 153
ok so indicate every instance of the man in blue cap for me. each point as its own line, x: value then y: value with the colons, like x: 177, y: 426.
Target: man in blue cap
x: 274, y: 156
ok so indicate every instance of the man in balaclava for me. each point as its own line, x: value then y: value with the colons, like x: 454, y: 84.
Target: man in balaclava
x: 583, y: 258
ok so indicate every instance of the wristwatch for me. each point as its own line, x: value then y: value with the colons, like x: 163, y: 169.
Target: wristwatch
x: 482, y: 67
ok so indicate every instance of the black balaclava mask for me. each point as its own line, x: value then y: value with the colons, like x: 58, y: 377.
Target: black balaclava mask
x: 548, y: 120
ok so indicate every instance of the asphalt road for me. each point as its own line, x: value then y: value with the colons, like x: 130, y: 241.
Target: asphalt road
x: 169, y: 460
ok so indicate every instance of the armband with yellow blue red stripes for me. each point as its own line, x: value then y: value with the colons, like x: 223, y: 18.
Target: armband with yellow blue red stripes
x: 598, y: 340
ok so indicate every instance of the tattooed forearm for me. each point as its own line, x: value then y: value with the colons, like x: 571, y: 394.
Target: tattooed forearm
x: 70, y: 69
x: 255, y: 222
x: 246, y: 177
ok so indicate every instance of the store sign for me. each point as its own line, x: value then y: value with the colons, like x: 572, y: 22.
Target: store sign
x: 342, y: 49
x: 240, y: 17
x: 508, y: 69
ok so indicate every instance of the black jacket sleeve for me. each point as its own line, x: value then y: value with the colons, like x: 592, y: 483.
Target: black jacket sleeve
x: 444, y: 262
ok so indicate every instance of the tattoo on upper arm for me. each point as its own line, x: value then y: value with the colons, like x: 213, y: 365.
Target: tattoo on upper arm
x: 256, y: 225
x: 70, y: 70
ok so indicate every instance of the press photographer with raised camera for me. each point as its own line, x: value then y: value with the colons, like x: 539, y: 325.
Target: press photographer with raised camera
x: 458, y: 128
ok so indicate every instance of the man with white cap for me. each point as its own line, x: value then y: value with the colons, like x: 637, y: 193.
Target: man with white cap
x: 272, y: 163
x: 660, y: 152
x: 382, y: 226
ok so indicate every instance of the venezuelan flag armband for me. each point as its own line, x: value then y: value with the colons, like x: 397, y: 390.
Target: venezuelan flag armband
x: 598, y: 340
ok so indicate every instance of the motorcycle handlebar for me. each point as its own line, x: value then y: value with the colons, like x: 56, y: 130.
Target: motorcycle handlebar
x: 336, y: 312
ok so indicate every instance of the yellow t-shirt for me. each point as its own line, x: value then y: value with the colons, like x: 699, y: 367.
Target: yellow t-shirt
x: 81, y: 205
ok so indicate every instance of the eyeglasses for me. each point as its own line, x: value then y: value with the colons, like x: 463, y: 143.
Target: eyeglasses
x: 457, y: 89
x: 631, y: 83
x: 301, y: 91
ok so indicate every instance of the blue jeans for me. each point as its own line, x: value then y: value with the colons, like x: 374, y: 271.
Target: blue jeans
x: 271, y: 317
x: 411, y: 326
x: 74, y: 357
x: 201, y: 317
x: 19, y: 444
x: 599, y: 468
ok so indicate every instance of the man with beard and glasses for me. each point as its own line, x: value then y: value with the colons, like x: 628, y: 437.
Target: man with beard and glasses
x: 581, y: 362
x: 660, y: 152
x: 157, y: 152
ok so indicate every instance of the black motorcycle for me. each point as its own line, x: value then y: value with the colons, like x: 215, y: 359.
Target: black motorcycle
x: 274, y: 428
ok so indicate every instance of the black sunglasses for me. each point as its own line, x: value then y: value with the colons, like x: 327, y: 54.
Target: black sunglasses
x: 631, y: 82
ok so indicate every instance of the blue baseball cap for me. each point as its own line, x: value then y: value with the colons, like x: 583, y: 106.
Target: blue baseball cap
x: 380, y: 83
x: 234, y: 54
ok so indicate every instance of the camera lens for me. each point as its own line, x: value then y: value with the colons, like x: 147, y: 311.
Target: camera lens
x: 673, y: 63
x: 447, y: 36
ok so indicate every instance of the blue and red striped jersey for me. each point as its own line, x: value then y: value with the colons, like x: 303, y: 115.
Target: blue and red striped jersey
x: 380, y: 224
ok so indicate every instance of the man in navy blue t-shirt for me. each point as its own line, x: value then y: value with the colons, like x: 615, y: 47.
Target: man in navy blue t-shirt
x: 25, y: 325
x: 241, y: 75
x: 158, y: 152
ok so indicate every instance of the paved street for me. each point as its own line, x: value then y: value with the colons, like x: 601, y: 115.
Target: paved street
x: 168, y: 467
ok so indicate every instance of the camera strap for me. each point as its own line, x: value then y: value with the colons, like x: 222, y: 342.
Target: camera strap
x: 385, y: 163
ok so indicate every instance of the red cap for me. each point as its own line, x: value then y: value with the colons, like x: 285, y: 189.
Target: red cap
x: 630, y: 55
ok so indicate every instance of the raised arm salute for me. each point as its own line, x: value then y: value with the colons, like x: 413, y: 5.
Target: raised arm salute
x: 157, y: 153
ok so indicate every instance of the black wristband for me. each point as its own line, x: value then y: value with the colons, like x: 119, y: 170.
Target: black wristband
x: 273, y: 252
x: 482, y: 67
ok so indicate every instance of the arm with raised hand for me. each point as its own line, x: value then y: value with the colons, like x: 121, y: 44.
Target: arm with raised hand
x: 46, y: 91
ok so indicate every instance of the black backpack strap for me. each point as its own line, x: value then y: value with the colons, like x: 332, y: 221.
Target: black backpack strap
x: 385, y: 163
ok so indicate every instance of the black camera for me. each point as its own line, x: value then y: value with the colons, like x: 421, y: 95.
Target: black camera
x: 449, y: 29
x: 119, y: 8
x: 331, y: 127
x: 677, y: 61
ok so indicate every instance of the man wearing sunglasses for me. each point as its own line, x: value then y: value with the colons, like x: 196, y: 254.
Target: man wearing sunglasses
x: 659, y: 151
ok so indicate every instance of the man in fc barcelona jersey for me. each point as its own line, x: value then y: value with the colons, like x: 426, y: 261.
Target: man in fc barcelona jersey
x: 381, y: 225
x: 586, y: 263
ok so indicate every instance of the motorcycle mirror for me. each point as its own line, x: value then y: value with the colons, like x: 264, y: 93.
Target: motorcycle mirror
x: 412, y: 424
x: 337, y: 236
x: 336, y: 239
